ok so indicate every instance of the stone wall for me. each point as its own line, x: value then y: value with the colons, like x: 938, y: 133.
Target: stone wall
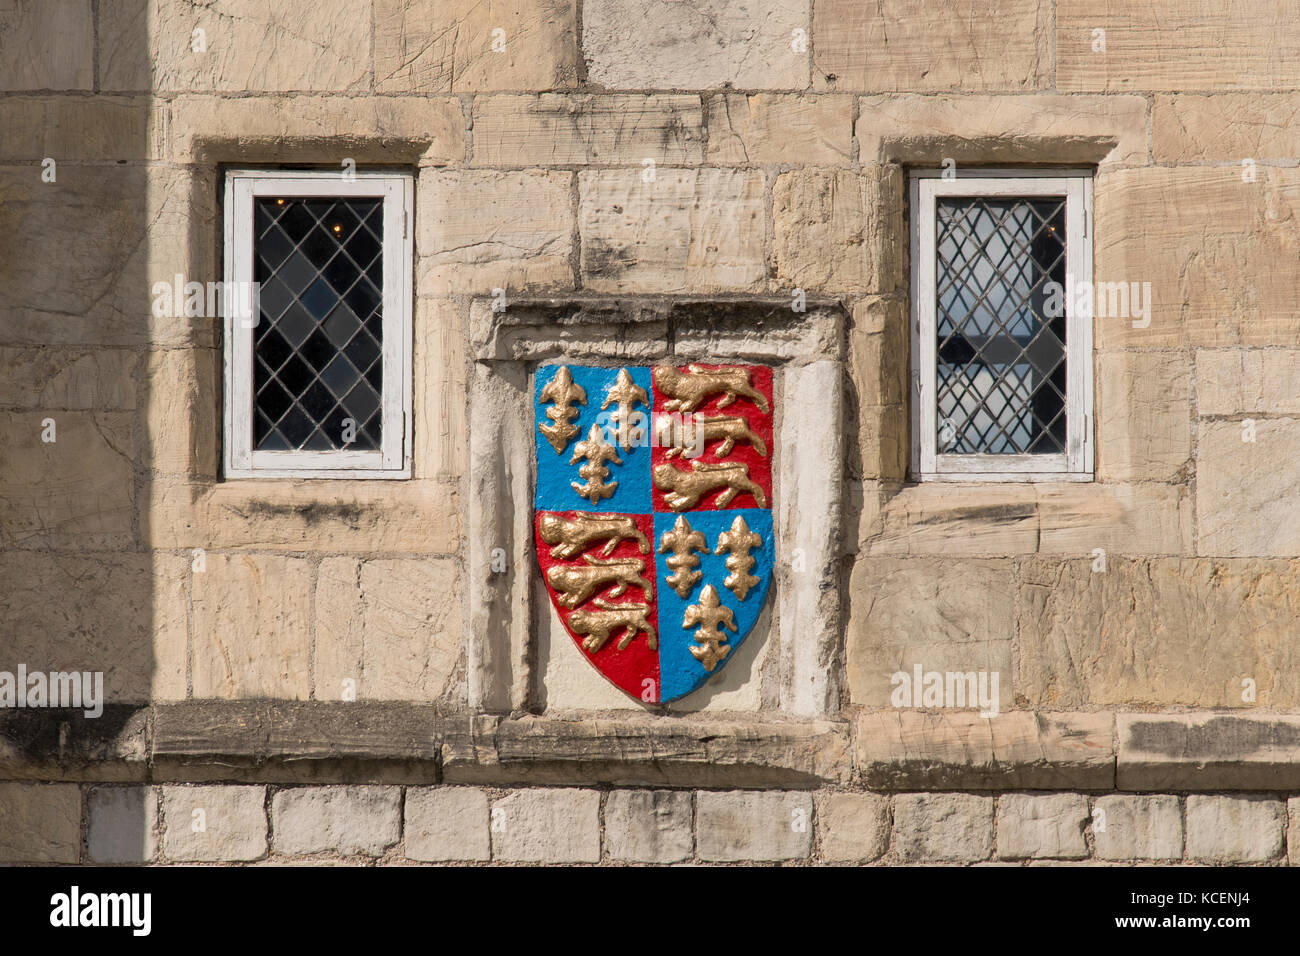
x: 778, y: 133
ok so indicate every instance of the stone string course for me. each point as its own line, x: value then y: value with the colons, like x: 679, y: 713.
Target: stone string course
x: 393, y: 825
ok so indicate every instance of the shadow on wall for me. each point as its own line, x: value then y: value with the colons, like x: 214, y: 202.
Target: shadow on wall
x: 78, y: 584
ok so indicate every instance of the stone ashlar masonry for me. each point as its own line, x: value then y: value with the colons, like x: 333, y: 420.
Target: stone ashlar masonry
x: 780, y: 132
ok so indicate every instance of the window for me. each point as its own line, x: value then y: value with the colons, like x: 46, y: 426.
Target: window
x: 1001, y: 325
x: 317, y: 325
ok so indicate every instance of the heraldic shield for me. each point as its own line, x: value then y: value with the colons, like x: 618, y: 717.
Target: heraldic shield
x: 653, y: 516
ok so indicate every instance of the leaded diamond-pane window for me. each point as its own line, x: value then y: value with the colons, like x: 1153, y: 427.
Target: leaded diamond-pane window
x: 1002, y: 357
x: 318, y: 383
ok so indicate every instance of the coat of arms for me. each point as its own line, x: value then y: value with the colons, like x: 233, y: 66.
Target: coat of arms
x: 654, y: 516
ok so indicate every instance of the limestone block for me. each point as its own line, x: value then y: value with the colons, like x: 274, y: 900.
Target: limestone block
x: 758, y: 129
x: 380, y: 129
x: 551, y: 826
x: 436, y: 46
x: 688, y: 230
x: 42, y: 823
x: 648, y: 826
x: 351, y: 821
x: 1141, y: 518
x: 251, y: 626
x: 77, y: 378
x: 123, y: 824
x: 1144, y: 431
x: 184, y: 394
x: 1248, y: 381
x: 446, y: 824
x: 1044, y: 827
x: 648, y: 44
x: 1234, y: 829
x: 741, y: 825
x: 1184, y: 45
x: 830, y: 234
x: 1138, y: 827
x: 931, y: 827
x: 552, y: 129
x: 214, y: 823
x: 913, y: 45
x: 942, y: 615
x: 392, y: 627
x: 1125, y: 636
x: 77, y: 490
x: 1219, y: 254
x: 910, y: 128
x: 481, y: 230
x: 71, y: 128
x: 1246, y: 479
x: 1293, y: 831
x: 1196, y: 127
x: 1208, y: 750
x: 47, y: 46
x: 245, y: 45
x: 441, y: 443
x: 903, y: 750
x: 853, y: 827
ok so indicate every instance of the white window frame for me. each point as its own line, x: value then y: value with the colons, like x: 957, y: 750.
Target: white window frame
x: 925, y: 187
x: 393, y: 459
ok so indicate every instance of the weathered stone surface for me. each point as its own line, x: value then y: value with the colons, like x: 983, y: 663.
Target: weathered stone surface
x: 351, y: 821
x: 688, y: 230
x: 1234, y: 829
x: 482, y: 230
x: 909, y: 45
x: 942, y: 615
x: 226, y: 824
x: 441, y: 443
x: 71, y: 128
x: 942, y: 826
x: 553, y: 826
x: 127, y: 617
x: 435, y: 46
x: 398, y: 516
x: 1293, y: 831
x: 879, y: 443
x: 1144, y: 431
x: 909, y: 128
x: 1219, y: 253
x: 429, y: 130
x: 647, y: 44
x: 1066, y: 518
x: 1196, y: 127
x: 245, y: 45
x: 68, y: 378
x: 558, y: 130
x: 251, y: 626
x: 1187, y: 45
x: 1046, y: 827
x: 42, y: 823
x: 768, y: 128
x: 1247, y: 477
x: 390, y: 626
x: 183, y: 392
x: 1208, y: 751
x: 447, y: 823
x: 852, y: 827
x: 908, y: 750
x: 752, y: 825
x: 47, y: 46
x: 1126, y: 636
x: 831, y: 232
x: 123, y: 824
x: 1138, y: 827
x: 77, y: 490
x: 648, y: 826
x: 1248, y: 381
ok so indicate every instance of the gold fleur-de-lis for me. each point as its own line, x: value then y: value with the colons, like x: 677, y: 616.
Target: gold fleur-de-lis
x: 563, y: 391
x: 739, y: 541
x: 625, y: 395
x: 680, y: 542
x: 710, y: 614
x: 597, y: 451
